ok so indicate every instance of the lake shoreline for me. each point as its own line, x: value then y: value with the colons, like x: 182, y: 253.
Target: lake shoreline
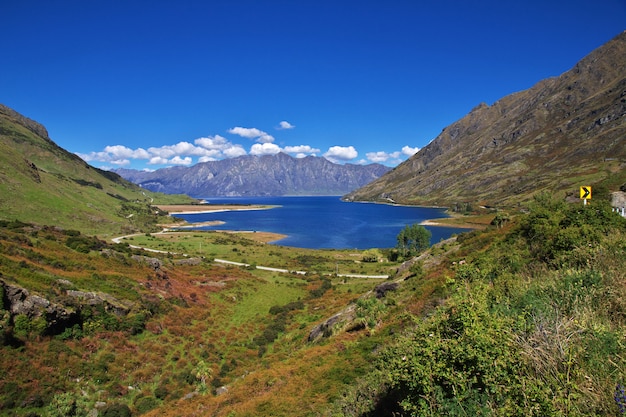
x: 174, y: 209
x: 314, y: 222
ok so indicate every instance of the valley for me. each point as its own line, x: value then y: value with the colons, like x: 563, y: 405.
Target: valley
x: 523, y: 313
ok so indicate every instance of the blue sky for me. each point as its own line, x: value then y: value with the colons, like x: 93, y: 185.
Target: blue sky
x: 149, y: 84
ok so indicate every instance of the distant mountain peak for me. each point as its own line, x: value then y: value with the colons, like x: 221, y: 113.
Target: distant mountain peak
x: 266, y: 175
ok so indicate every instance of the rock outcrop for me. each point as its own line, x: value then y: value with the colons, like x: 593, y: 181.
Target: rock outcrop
x: 19, y: 301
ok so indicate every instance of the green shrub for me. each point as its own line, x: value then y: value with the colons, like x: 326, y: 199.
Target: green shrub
x: 145, y: 404
x: 161, y: 392
x: 67, y: 405
x: 116, y: 410
x: 24, y: 327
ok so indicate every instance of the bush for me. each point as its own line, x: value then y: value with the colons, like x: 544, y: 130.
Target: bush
x: 145, y: 404
x: 161, y: 392
x: 534, y: 326
x: 24, y: 327
x: 553, y: 228
x: 116, y: 410
x: 371, y: 255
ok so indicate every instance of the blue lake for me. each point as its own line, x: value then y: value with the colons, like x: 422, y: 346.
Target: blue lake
x: 324, y: 222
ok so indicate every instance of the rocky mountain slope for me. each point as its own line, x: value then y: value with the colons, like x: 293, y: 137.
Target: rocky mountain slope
x: 562, y: 133
x: 43, y: 183
x: 268, y: 175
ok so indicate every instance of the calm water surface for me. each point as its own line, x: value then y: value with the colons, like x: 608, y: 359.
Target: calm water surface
x: 324, y: 222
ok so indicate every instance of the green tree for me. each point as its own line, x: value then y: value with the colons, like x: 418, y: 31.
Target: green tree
x: 413, y: 240
x: 371, y: 255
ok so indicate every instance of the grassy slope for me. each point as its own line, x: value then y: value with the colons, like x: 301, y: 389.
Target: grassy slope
x: 556, y: 327
x: 534, y: 315
x: 42, y: 183
x: 193, y: 313
x: 562, y: 133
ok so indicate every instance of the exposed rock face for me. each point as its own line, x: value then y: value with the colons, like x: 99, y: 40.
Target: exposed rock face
x: 111, y: 304
x: 30, y: 124
x: 154, y: 263
x: 543, y: 139
x: 339, y: 320
x: 381, y: 290
x: 19, y: 301
x: 273, y: 175
x: 618, y: 199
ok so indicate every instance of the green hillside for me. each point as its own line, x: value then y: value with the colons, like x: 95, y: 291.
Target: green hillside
x: 43, y: 183
x: 526, y: 319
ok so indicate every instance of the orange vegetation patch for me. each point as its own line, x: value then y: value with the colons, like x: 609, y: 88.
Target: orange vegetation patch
x: 262, y: 237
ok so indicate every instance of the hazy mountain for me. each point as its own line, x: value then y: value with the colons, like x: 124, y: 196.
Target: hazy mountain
x: 269, y: 175
x: 562, y: 133
x: 41, y: 182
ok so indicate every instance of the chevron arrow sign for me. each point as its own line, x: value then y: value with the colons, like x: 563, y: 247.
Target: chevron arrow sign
x: 585, y: 192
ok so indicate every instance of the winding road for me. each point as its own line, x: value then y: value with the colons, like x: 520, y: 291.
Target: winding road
x: 224, y: 261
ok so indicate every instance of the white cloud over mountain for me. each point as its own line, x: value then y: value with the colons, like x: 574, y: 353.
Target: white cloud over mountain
x: 408, y: 151
x: 214, y: 148
x: 341, y: 153
x: 301, y: 151
x: 264, y: 149
x: 381, y: 156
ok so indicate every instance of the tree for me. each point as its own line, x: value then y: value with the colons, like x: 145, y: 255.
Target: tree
x: 371, y: 255
x: 500, y: 219
x: 413, y: 240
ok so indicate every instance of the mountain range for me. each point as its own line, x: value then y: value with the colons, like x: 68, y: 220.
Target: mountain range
x: 268, y: 175
x: 563, y: 133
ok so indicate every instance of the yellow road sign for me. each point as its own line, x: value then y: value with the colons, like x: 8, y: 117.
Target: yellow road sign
x: 585, y: 192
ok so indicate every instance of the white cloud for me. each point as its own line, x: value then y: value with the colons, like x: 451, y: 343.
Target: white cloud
x: 116, y: 154
x: 341, y: 153
x: 264, y: 149
x: 182, y: 153
x: 381, y: 156
x: 302, y: 150
x: 285, y: 125
x: 234, y: 151
x: 377, y: 156
x: 218, y: 147
x: 179, y: 149
x: 252, y: 133
x: 121, y: 151
x: 91, y: 156
x: 408, y: 151
x: 215, y: 142
x: 157, y: 160
x: 177, y: 160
